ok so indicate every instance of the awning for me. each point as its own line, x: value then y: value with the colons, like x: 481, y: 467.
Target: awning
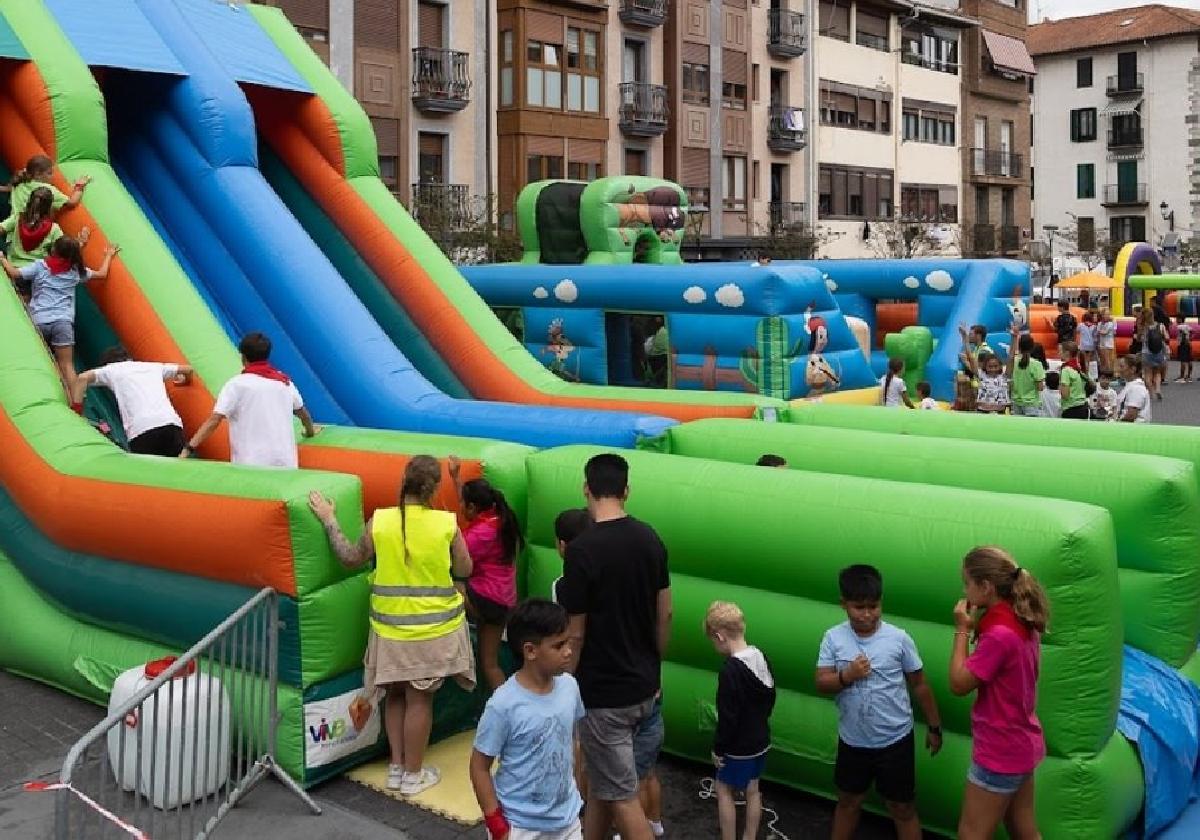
x: 1088, y: 280
x: 1009, y: 54
x: 1120, y: 109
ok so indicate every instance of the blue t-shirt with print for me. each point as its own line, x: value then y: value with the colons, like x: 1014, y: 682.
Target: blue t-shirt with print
x: 533, y: 736
x: 876, y: 711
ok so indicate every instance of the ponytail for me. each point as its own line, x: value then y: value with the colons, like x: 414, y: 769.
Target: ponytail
x: 36, y: 169
x: 421, y: 479
x: 1017, y: 586
x: 483, y: 496
x: 895, y: 365
x: 39, y: 207
x: 1025, y: 345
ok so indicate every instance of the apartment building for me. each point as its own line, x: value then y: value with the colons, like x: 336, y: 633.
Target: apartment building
x: 889, y: 101
x: 997, y: 75
x: 419, y: 68
x: 1116, y: 125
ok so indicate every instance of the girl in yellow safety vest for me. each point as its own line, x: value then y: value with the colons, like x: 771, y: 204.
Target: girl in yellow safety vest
x: 418, y: 633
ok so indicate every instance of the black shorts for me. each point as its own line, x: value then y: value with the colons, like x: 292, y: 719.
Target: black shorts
x: 166, y: 441
x: 892, y: 769
x: 1185, y: 352
x: 486, y: 610
x: 1076, y: 412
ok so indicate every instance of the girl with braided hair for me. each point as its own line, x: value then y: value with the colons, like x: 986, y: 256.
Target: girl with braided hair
x: 418, y: 634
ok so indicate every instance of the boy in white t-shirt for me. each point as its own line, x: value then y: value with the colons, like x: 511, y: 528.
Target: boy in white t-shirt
x: 259, y: 404
x: 925, y: 392
x: 1133, y: 403
x: 151, y: 424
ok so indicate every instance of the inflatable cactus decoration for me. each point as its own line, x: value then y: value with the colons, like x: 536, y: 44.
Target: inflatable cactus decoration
x: 914, y: 345
x: 765, y: 365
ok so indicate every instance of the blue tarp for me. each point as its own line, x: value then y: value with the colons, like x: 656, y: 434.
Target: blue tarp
x: 1160, y: 714
x: 114, y: 33
x: 239, y: 44
x: 10, y: 44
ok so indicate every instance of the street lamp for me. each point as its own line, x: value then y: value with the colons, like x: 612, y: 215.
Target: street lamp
x: 1168, y: 215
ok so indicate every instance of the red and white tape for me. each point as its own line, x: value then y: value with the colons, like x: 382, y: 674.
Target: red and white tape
x: 132, y: 830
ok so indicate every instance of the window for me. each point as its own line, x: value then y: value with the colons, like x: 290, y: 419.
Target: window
x: 847, y: 106
x: 695, y: 83
x: 543, y: 75
x: 912, y: 125
x: 871, y: 30
x: 754, y: 82
x: 983, y: 208
x: 933, y: 49
x: 854, y: 193
x: 506, y: 68
x: 1085, y: 180
x: 635, y: 161
x: 733, y: 95
x: 542, y: 167
x: 583, y: 70
x: 734, y: 182
x: 1083, y: 125
x: 1085, y: 233
x: 577, y: 171
x: 1083, y: 72
x: 1008, y: 206
x: 834, y: 19
x: 1122, y: 229
x: 1032, y: 183
x: 431, y: 158
x: 389, y: 165
x: 934, y: 203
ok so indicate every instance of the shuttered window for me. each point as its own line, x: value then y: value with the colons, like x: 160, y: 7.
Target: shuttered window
x: 733, y: 68
x: 310, y: 14
x: 429, y: 25
x: 377, y: 24
x: 694, y: 168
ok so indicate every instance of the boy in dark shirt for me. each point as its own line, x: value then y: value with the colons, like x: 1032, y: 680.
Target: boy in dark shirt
x: 1065, y: 325
x: 617, y: 590
x: 745, y: 699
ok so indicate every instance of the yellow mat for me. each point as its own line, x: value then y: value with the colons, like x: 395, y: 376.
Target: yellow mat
x: 451, y: 798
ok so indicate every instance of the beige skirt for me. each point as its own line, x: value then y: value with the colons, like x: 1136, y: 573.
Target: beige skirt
x: 425, y: 663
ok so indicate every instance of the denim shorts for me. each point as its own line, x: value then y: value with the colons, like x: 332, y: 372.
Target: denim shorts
x: 648, y: 741
x: 1004, y: 784
x: 1027, y: 411
x: 58, y: 333
x: 607, y: 739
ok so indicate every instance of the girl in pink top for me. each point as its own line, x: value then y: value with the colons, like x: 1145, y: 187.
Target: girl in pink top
x: 493, y: 538
x: 1003, y: 670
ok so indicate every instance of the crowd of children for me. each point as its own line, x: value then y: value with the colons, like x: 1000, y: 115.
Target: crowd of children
x: 1080, y: 388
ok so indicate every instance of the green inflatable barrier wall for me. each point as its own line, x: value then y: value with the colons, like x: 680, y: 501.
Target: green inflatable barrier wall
x: 1154, y: 502
x: 774, y: 540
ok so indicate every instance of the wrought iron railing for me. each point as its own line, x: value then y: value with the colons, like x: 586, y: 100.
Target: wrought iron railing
x: 441, y: 79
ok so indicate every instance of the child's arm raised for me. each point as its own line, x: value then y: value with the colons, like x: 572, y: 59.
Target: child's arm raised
x: 101, y: 273
x: 485, y: 795
x: 350, y: 556
x: 77, y: 192
x: 925, y: 699
x: 11, y: 270
x: 454, y: 467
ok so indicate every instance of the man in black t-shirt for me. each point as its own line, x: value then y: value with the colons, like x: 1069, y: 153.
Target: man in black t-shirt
x: 617, y: 589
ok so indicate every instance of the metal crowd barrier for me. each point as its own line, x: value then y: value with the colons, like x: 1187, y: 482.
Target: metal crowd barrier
x: 177, y: 755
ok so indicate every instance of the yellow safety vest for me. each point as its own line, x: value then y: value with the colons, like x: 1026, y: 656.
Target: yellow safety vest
x: 412, y: 595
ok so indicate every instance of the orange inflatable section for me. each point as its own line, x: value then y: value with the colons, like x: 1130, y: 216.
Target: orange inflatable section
x: 150, y: 526
x: 381, y: 474
x: 892, y: 318
x: 292, y: 125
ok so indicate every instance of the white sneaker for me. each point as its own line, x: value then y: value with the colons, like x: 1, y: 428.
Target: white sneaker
x: 395, y: 776
x: 415, y: 783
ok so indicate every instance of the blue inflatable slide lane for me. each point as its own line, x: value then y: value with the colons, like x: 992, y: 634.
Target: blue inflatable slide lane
x: 188, y: 145
x: 1160, y: 714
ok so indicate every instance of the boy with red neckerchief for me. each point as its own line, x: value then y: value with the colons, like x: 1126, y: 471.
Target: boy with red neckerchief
x: 259, y: 404
x: 1007, y: 740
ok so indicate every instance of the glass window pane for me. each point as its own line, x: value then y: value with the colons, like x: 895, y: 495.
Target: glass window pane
x: 553, y: 89
x: 573, y: 48
x: 574, y: 92
x: 591, y: 93
x: 506, y: 46
x: 590, y: 49
x: 533, y: 86
x: 533, y: 169
x: 533, y: 52
x: 506, y: 86
x: 554, y: 167
x: 551, y: 54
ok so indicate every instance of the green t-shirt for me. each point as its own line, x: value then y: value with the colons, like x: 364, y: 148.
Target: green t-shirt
x: 1025, y: 383
x: 1072, y: 379
x: 21, y: 192
x: 16, y: 251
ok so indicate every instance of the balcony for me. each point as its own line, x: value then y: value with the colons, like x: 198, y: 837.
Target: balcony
x: 441, y: 81
x: 1129, y: 84
x: 647, y: 13
x: 786, y: 215
x: 995, y: 163
x: 1125, y: 138
x: 643, y: 111
x: 785, y: 129
x: 785, y: 33
x: 1124, y: 195
x: 442, y: 207
x: 1010, y: 238
x: 983, y: 239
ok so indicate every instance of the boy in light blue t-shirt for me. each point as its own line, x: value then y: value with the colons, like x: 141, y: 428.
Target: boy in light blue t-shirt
x: 529, y: 725
x: 871, y: 666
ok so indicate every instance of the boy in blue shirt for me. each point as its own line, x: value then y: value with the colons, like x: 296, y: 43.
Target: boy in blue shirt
x: 871, y: 666
x: 528, y: 724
